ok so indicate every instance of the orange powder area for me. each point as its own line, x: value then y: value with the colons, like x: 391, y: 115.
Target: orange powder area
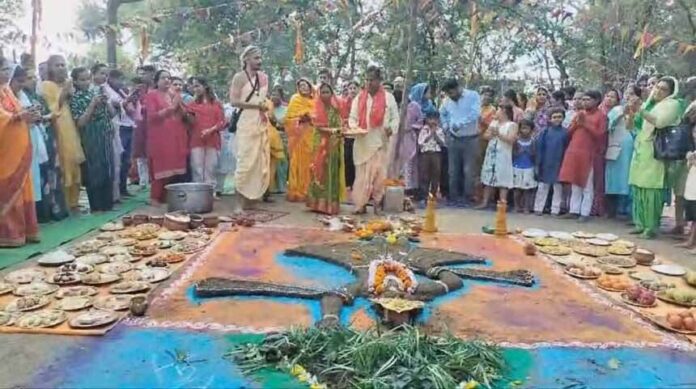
x: 557, y: 311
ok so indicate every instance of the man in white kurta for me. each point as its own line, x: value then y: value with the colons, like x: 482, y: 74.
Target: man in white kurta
x: 370, y: 150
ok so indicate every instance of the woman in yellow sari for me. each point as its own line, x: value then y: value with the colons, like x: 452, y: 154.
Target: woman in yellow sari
x: 18, y: 224
x: 57, y: 91
x: 298, y: 126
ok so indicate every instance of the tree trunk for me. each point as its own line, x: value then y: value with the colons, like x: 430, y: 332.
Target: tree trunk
x: 111, y: 28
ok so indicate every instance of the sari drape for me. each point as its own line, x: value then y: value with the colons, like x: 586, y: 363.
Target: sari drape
x: 300, y: 137
x: 18, y: 222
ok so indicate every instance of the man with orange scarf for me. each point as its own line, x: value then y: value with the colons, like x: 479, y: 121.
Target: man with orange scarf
x: 375, y: 111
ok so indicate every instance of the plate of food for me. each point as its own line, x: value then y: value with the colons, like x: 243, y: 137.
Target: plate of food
x: 125, y: 242
x: 36, y: 288
x: 151, y: 274
x: 25, y: 276
x: 547, y: 242
x: 81, y: 268
x: 171, y: 257
x: 142, y: 251
x: 669, y: 270
x: 125, y: 258
x: 157, y: 262
x: 598, y: 242
x: 562, y: 235
x: 97, y: 278
x: 93, y: 318
x: 114, y: 302
x: 613, y: 283
x: 625, y: 262
x: 608, y: 237
x: 555, y: 250
x: 76, y: 291
x: 92, y: 259
x: 29, y: 303
x: 589, y: 250
x: 623, y: 243
x: 107, y: 236
x: 643, y: 275
x: 638, y: 296
x: 42, y: 319
x: 6, y: 319
x: 188, y: 246
x: 5, y: 287
x: 114, y: 250
x: 535, y: 233
x: 679, y: 296
x: 88, y: 246
x: 657, y: 285
x: 115, y: 267
x: 683, y: 322
x: 74, y: 303
x: 113, y: 226
x: 584, y: 235
x: 128, y: 287
x: 172, y: 235
x: 583, y: 272
x: 611, y: 269
x: 64, y: 278
x: 644, y: 257
x: 56, y: 258
x: 689, y: 277
x: 615, y: 249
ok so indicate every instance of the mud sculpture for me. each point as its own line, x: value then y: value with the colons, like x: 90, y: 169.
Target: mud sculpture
x: 356, y: 257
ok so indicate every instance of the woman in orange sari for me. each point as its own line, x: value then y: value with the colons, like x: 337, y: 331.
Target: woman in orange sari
x: 18, y: 224
x: 299, y: 130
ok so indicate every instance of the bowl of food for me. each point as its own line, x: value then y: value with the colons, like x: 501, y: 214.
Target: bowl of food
x: 644, y: 257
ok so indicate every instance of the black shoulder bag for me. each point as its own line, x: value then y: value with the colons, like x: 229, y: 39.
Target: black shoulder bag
x: 238, y: 112
x: 673, y: 142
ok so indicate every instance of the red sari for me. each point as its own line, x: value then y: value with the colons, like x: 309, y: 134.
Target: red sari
x: 167, y: 142
x: 18, y: 223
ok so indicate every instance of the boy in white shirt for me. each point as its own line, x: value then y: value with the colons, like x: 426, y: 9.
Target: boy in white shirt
x: 431, y: 140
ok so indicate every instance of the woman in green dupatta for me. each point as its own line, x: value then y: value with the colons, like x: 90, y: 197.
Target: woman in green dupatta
x: 327, y: 183
x: 647, y: 176
x: 93, y: 114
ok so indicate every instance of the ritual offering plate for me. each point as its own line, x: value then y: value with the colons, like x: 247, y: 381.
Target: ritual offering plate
x: 350, y: 132
x: 623, y: 243
x: 142, y: 251
x: 36, y: 288
x: 114, y: 250
x: 115, y: 267
x: 24, y: 304
x: 64, y: 278
x: 25, y: 276
x: 124, y: 242
x: 689, y: 277
x: 5, y: 287
x: 644, y: 257
x: 583, y: 272
x: 42, y: 319
x: 92, y: 259
x: 611, y: 269
x: 99, y: 278
x: 589, y: 250
x: 55, y: 258
x: 115, y: 226
x: 93, y: 318
x: 125, y: 258
x: 642, y: 276
x: 188, y: 246
x: 88, y: 246
x: 625, y: 297
x: 74, y: 303
x: 678, y: 296
x: 607, y: 237
x: 613, y: 283
x: 669, y: 270
x: 164, y: 244
x: 657, y: 285
x: 113, y: 303
x: 683, y: 322
x: 170, y: 257
x: 6, y: 319
x: 107, y: 236
x: 127, y: 287
x: 397, y: 304
x: 598, y: 242
x: 157, y: 262
x: 555, y: 250
x: 615, y: 249
x: 535, y: 233
x: 76, y: 291
x: 81, y: 268
x: 546, y: 242
x: 172, y: 235
x: 561, y: 235
x: 151, y: 274
x: 625, y: 262
x: 584, y: 235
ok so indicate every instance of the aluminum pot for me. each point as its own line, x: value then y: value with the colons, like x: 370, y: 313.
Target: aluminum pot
x: 190, y: 197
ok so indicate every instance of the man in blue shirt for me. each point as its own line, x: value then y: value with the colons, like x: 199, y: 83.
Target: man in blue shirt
x: 460, y: 114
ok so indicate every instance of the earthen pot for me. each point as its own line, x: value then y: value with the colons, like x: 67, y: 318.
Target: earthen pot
x: 159, y: 220
x: 211, y: 221
x: 140, y: 219
x: 196, y: 221
x: 127, y: 221
x: 138, y: 306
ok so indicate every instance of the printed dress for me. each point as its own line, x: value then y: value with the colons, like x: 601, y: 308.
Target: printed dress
x: 497, y: 166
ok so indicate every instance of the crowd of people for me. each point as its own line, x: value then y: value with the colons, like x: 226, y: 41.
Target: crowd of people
x: 570, y: 153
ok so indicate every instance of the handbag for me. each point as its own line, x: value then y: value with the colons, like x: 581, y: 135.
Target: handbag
x: 673, y: 142
x: 237, y: 113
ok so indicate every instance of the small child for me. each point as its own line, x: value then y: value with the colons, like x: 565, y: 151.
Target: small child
x: 431, y: 140
x: 523, y: 167
x: 496, y: 171
x: 550, y: 147
x: 690, y: 196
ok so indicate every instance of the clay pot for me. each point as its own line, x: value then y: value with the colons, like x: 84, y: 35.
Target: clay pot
x: 127, y: 221
x: 159, y: 219
x: 138, y: 306
x: 140, y: 219
x: 211, y: 221
x: 530, y: 249
x: 196, y: 221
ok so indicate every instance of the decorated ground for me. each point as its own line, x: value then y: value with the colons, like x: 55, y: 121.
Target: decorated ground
x: 560, y: 333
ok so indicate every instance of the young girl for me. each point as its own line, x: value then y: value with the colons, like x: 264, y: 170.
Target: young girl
x: 497, y: 166
x: 523, y: 168
x: 431, y: 140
